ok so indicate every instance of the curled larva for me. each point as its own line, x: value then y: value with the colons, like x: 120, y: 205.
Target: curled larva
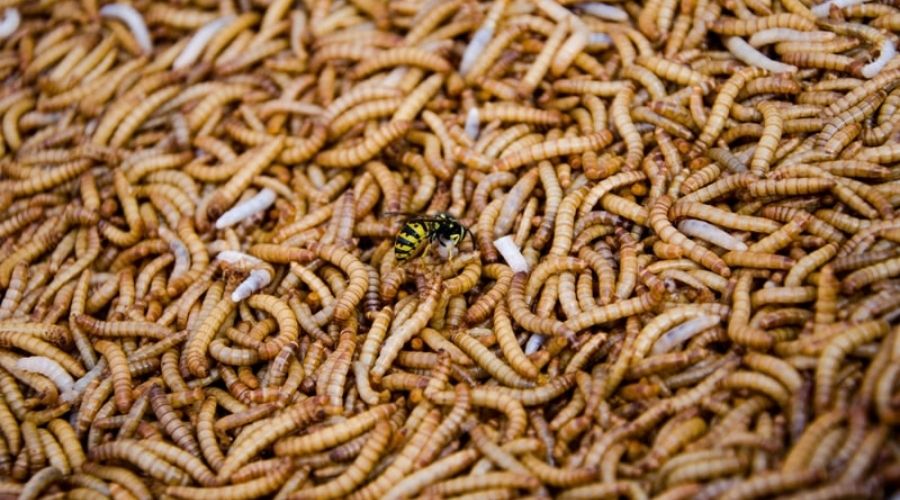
x: 52, y: 370
x: 130, y: 16
x: 256, y: 281
x: 10, y: 22
x: 749, y: 55
x: 886, y: 52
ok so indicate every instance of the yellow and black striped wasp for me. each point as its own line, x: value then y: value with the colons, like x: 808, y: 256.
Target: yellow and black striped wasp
x: 420, y: 231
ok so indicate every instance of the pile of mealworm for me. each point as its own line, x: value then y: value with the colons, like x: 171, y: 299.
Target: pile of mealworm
x: 681, y: 277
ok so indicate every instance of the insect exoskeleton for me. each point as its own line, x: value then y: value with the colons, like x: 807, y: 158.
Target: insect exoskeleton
x: 421, y: 231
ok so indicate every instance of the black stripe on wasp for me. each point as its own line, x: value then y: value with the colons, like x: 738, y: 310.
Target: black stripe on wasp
x: 421, y: 231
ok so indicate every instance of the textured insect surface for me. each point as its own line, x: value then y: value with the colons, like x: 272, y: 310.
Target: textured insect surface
x: 420, y: 231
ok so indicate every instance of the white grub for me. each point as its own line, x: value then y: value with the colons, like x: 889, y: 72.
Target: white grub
x: 10, y: 22
x: 475, y: 48
x: 198, y: 42
x: 748, y: 55
x: 482, y: 37
x: 179, y: 251
x: 892, y: 65
x: 260, y: 274
x: 511, y: 254
x: 130, y: 16
x: 244, y: 210
x: 52, y: 370
x: 777, y: 35
x: 824, y: 8
x: 473, y: 123
x: 534, y: 343
x: 258, y: 279
x: 598, y: 41
x: 708, y: 232
x: 604, y: 11
x: 683, y: 332
x: 886, y: 53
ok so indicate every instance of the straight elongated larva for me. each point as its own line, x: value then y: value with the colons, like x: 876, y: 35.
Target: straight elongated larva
x: 357, y: 155
x: 710, y: 233
x: 551, y: 149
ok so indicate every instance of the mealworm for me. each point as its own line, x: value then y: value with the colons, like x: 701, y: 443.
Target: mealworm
x: 401, y: 335
x: 543, y: 60
x: 550, y: 149
x: 402, y: 55
x: 833, y: 355
x: 357, y: 155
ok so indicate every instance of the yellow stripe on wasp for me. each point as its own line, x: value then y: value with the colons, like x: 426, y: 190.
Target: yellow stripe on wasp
x: 420, y: 231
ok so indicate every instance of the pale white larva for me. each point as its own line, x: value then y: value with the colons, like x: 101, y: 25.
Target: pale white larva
x: 683, y: 332
x: 511, y: 254
x: 598, y: 41
x: 475, y: 48
x: 708, y: 232
x: 534, y: 343
x: 749, y: 55
x: 198, y: 42
x: 886, y: 53
x: 473, y: 124
x: 10, y: 22
x: 131, y: 17
x: 246, y: 209
x: 52, y: 370
x: 257, y: 280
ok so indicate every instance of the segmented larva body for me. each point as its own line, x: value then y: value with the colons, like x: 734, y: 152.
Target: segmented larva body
x: 679, y: 257
x: 52, y: 370
x: 721, y: 107
x: 658, y: 219
x: 134, y: 20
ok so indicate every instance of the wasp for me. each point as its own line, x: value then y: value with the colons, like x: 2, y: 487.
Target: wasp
x: 420, y: 231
